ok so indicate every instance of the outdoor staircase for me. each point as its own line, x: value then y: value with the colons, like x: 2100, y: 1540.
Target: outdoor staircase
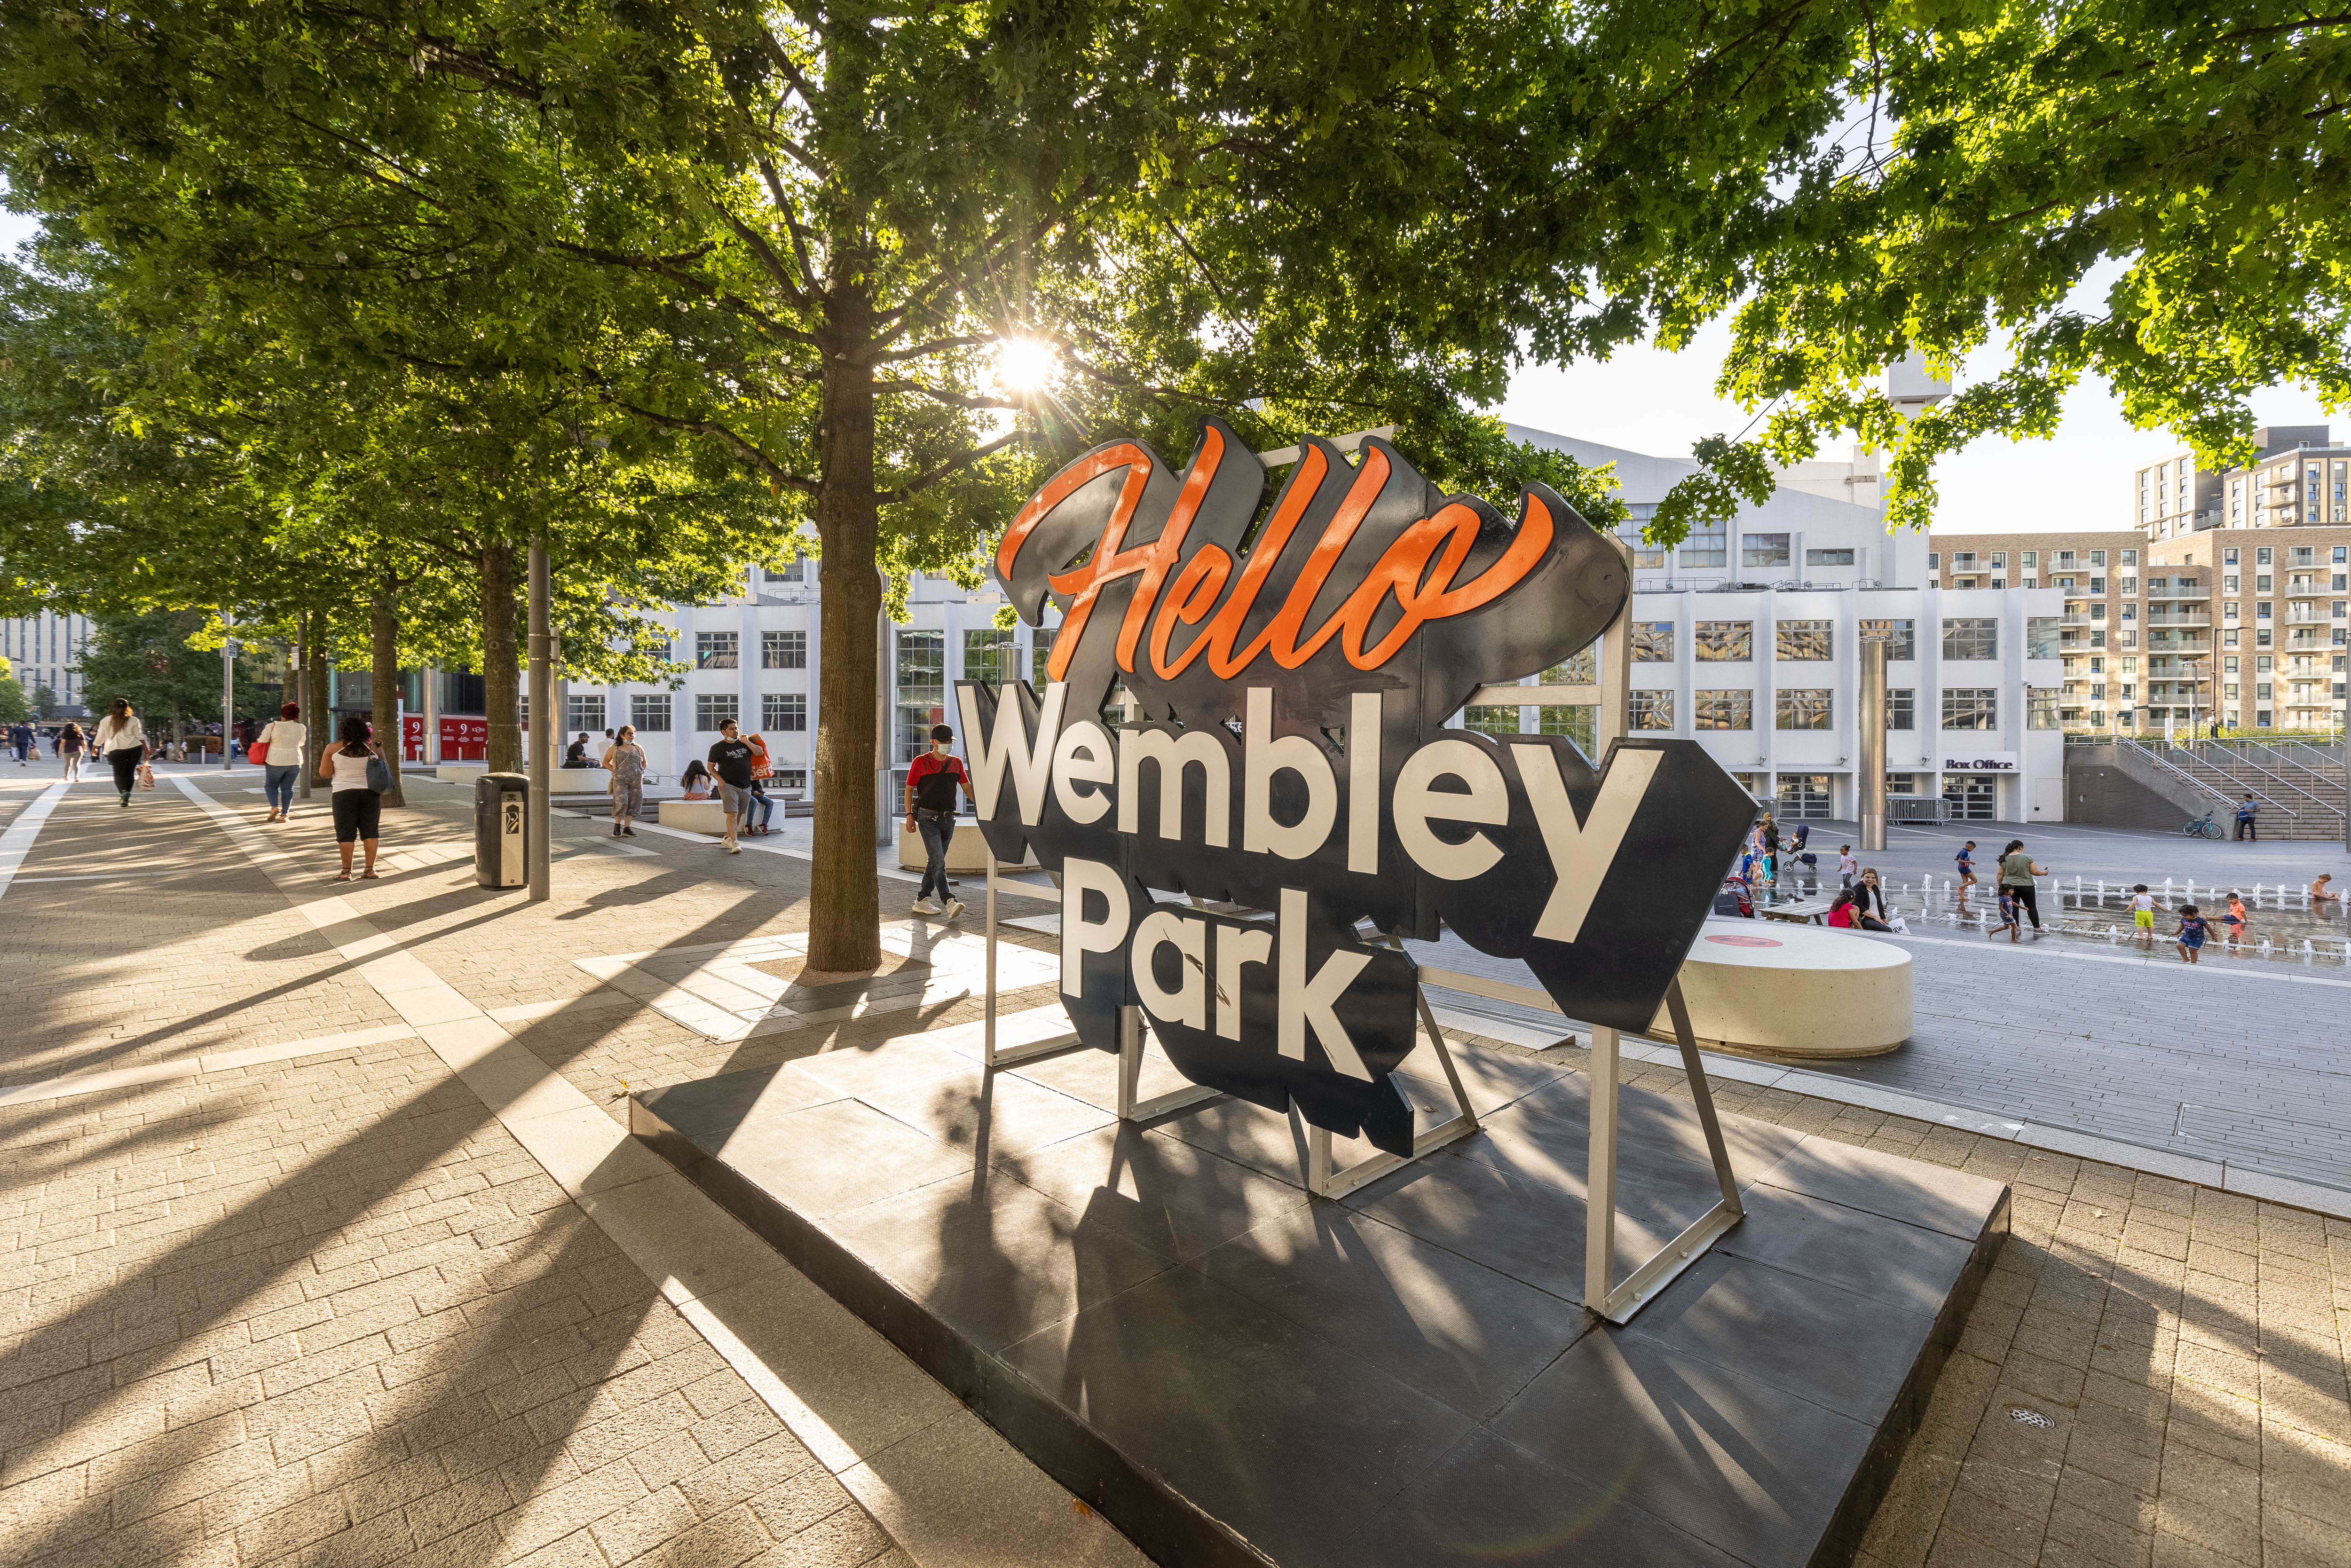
x: 2301, y: 789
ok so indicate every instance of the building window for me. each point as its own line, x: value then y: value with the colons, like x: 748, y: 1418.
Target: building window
x: 1971, y: 638
x: 1652, y: 709
x: 714, y: 650
x: 2130, y: 558
x: 783, y: 650
x: 583, y: 713
x: 1901, y: 708
x: 791, y: 778
x: 1764, y: 549
x: 1805, y: 641
x: 1903, y: 642
x: 1726, y: 710
x: 1653, y: 644
x: 1828, y: 558
x: 1578, y: 724
x: 1706, y: 549
x: 1491, y: 719
x: 1041, y: 652
x: 1971, y: 707
x: 923, y: 691
x: 1934, y: 561
x: 1802, y: 709
x: 650, y: 714
x: 991, y: 657
x: 792, y: 572
x: 2041, y: 707
x: 2040, y: 634
x: 783, y: 710
x: 711, y: 709
x: 1731, y: 641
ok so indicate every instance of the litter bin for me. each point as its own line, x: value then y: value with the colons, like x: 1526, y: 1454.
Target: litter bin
x: 501, y: 819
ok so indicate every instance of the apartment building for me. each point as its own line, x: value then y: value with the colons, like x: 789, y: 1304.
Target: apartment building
x: 45, y: 650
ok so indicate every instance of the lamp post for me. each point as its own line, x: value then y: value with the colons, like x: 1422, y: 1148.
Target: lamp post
x: 541, y: 760
x: 230, y: 649
x: 1874, y: 635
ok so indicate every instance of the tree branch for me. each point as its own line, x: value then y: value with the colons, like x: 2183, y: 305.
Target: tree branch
x: 952, y: 466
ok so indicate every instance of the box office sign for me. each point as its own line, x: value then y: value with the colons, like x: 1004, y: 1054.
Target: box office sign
x: 1294, y: 676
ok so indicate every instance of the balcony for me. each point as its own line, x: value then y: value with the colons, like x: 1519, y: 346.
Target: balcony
x: 2160, y: 595
x: 2194, y: 618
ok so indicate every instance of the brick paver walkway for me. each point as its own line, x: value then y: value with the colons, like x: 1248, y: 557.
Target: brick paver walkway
x: 330, y: 1310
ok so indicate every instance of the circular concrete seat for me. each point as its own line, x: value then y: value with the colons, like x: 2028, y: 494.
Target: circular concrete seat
x: 1792, y: 992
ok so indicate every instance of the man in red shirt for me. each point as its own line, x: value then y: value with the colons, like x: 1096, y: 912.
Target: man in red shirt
x: 931, y: 785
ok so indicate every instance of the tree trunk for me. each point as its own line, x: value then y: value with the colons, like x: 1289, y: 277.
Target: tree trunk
x: 320, y: 718
x: 844, y: 897
x: 501, y: 677
x: 383, y: 637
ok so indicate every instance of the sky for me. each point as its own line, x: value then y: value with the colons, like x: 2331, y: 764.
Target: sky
x: 1646, y: 399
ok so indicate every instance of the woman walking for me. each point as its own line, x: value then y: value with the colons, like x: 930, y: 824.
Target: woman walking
x: 122, y: 741
x: 2017, y: 870
x: 282, y: 740
x: 626, y: 760
x: 359, y: 810
x: 71, y: 744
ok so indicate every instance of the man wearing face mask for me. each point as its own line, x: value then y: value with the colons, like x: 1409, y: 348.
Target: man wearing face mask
x: 931, y: 785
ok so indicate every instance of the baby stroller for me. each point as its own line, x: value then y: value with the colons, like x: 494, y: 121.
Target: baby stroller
x: 1734, y: 898
x: 1796, y: 850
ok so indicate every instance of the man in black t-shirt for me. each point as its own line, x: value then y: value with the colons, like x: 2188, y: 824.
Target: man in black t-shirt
x: 730, y: 762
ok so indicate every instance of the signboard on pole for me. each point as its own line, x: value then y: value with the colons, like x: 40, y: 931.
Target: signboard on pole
x: 1237, y: 849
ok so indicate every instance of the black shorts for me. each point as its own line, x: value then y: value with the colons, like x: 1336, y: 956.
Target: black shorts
x: 358, y: 814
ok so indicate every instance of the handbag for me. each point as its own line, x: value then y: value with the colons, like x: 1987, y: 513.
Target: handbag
x: 258, y: 752
x: 379, y: 774
x: 146, y: 776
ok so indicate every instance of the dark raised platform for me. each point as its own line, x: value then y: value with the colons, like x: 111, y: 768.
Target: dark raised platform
x: 1234, y: 1372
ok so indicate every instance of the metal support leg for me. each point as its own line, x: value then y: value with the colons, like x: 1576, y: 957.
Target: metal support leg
x: 1619, y: 1304
x: 1131, y: 1106
x: 1035, y: 1050
x: 1324, y: 1180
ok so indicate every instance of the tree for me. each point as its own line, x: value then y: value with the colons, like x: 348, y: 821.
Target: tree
x: 1999, y: 159
x: 149, y: 660
x: 801, y: 236
x: 12, y: 706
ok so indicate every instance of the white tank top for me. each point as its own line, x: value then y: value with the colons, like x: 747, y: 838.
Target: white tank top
x: 350, y: 770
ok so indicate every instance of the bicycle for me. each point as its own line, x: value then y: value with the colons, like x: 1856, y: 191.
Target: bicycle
x: 2204, y: 827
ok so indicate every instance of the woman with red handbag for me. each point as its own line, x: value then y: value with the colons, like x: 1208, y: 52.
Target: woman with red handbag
x: 277, y: 751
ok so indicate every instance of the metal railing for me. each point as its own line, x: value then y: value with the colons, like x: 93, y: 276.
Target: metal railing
x: 2241, y: 760
x: 2166, y: 765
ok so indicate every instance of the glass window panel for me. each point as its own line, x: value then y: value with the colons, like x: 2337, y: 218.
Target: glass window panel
x: 650, y: 713
x: 1764, y: 549
x: 1578, y: 724
x: 1653, y: 642
x: 783, y: 650
x: 783, y: 711
x: 714, y: 650
x: 1653, y: 709
x: 1724, y: 710
x: 1901, y: 708
x: 583, y: 713
x: 1804, y: 709
x: 1971, y: 707
x: 1491, y: 720
x: 1971, y: 638
x: 991, y: 656
x: 1733, y: 640
x: 1806, y: 640
x: 711, y: 709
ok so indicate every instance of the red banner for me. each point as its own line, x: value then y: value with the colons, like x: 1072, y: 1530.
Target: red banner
x: 412, y: 738
x: 463, y: 739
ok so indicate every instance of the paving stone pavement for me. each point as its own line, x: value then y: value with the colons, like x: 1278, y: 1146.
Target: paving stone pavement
x: 329, y: 1310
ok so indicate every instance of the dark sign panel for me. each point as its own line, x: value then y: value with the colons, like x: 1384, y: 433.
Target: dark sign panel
x: 1294, y: 673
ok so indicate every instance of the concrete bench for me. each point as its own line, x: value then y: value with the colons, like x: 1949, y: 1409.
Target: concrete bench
x: 694, y: 816
x: 577, y: 782
x: 459, y: 772
x: 966, y: 851
x: 1792, y: 992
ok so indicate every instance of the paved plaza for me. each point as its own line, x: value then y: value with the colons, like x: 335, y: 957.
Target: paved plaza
x: 325, y: 1244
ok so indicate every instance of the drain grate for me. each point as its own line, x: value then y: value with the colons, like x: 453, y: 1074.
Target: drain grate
x: 2030, y: 1417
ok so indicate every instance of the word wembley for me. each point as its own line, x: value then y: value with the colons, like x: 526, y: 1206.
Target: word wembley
x: 1290, y: 780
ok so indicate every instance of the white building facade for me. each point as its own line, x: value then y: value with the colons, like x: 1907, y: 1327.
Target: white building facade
x: 45, y: 650
x: 1746, y: 639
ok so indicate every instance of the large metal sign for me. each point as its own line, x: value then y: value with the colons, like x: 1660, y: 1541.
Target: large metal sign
x: 1294, y: 670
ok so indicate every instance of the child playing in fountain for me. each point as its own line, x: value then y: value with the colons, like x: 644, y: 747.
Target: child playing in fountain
x: 2143, y: 908
x: 2233, y: 924
x: 2007, y: 915
x: 2191, y: 935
